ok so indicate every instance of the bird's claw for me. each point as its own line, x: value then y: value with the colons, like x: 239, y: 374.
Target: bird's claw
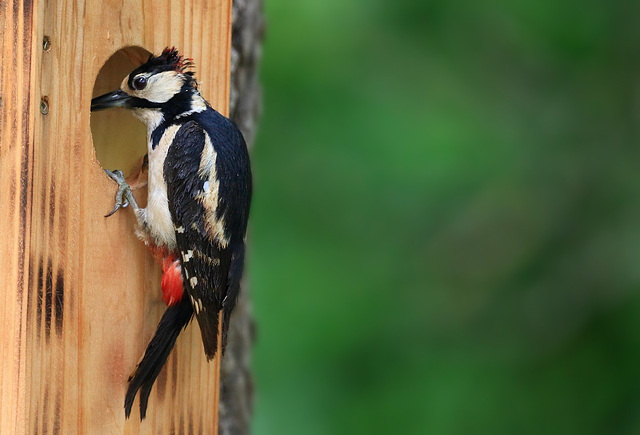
x: 123, y: 196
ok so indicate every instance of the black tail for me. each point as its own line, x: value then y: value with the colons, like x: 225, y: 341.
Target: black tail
x: 174, y: 319
x: 233, y: 289
x: 208, y: 319
x: 209, y: 315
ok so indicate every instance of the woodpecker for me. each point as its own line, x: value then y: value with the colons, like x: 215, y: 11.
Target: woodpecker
x: 199, y: 195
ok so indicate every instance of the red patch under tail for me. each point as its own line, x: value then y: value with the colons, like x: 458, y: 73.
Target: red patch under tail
x: 171, y: 281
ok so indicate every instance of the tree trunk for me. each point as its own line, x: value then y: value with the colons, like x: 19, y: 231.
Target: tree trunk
x: 236, y: 389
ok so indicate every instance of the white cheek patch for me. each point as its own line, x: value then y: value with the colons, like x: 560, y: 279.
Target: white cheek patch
x: 160, y: 87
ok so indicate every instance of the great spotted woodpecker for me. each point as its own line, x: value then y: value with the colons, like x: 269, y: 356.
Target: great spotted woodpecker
x: 199, y: 193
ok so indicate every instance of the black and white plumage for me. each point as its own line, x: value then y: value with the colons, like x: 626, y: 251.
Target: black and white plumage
x: 199, y: 193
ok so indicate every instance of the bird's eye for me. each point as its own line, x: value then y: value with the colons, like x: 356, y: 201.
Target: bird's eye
x: 139, y: 83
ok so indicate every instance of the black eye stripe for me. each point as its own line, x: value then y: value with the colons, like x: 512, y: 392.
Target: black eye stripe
x: 139, y: 82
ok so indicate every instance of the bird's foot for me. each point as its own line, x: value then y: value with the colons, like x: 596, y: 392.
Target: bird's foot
x: 124, y: 197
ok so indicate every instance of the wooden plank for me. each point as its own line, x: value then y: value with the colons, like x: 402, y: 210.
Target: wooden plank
x: 83, y: 297
x: 17, y: 113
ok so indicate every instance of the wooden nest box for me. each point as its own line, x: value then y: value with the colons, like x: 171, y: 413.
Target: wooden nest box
x: 80, y: 295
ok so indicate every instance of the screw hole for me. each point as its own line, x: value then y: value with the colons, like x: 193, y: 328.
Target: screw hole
x: 46, y: 44
x: 44, y: 105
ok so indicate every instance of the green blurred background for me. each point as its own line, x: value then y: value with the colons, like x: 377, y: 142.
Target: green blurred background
x: 446, y: 226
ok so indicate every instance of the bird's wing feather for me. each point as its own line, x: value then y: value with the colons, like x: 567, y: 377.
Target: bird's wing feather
x: 209, y: 191
x: 204, y: 256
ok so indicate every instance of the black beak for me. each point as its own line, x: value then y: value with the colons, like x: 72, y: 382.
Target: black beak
x: 112, y: 99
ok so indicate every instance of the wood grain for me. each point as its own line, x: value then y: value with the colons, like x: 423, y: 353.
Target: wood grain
x: 80, y: 296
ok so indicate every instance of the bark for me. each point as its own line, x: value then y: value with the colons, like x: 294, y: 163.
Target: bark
x: 236, y: 385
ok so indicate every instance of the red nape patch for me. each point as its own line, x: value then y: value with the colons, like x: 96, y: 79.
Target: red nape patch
x: 171, y: 281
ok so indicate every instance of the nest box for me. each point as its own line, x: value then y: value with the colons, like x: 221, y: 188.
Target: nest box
x: 80, y: 295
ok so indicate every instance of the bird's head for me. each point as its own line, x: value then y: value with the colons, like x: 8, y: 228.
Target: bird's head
x: 159, y: 88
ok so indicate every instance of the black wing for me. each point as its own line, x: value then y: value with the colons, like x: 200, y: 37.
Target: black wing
x: 233, y: 171
x: 209, y: 237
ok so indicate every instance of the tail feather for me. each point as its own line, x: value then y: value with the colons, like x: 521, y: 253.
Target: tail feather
x: 233, y: 288
x: 208, y: 319
x: 175, y: 318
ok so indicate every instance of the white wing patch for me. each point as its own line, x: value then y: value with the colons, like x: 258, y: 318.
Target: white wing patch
x: 209, y: 197
x: 186, y: 257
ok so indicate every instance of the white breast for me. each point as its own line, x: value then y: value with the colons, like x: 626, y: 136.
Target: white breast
x: 156, y: 214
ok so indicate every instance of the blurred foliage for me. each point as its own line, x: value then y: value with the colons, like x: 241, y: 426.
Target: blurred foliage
x: 446, y: 226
